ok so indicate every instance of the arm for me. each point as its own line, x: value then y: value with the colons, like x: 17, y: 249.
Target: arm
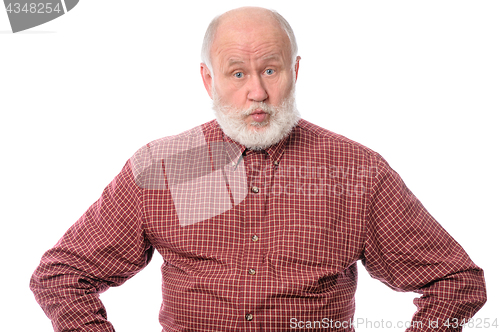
x: 104, y: 248
x: 409, y: 251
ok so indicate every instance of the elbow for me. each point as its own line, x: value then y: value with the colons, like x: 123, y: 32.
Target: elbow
x: 477, y: 288
x: 483, y: 296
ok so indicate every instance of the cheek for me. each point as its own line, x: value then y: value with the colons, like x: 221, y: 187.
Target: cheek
x: 233, y: 95
x: 281, y: 89
x: 237, y: 96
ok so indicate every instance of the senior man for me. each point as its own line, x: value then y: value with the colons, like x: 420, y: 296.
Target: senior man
x: 260, y: 216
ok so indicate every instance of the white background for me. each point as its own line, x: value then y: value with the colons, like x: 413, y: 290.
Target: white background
x: 417, y: 81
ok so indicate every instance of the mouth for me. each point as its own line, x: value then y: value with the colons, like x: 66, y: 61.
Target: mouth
x: 259, y: 115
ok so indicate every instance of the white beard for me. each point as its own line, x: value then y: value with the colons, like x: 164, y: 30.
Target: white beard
x: 281, y: 120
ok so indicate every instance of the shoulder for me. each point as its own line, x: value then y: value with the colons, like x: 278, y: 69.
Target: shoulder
x: 151, y: 155
x: 184, y: 140
x: 189, y: 137
x: 345, y: 156
x: 316, y: 138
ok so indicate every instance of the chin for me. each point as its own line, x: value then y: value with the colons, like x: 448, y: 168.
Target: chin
x: 258, y: 126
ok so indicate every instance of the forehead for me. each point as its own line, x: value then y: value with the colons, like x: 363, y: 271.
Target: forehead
x: 262, y: 39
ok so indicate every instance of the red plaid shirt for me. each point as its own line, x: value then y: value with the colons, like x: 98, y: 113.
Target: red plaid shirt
x: 256, y: 240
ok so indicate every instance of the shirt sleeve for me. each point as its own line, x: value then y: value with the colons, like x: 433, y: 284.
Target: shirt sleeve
x: 104, y: 248
x: 410, y: 251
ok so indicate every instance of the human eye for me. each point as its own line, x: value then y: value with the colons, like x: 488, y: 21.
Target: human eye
x: 238, y: 74
x: 269, y: 71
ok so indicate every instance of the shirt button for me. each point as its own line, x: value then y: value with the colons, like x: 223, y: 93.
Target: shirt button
x: 251, y: 271
x: 249, y: 317
x: 255, y: 190
x: 276, y: 163
x: 255, y: 238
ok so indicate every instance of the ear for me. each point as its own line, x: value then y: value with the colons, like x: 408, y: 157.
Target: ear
x: 297, y: 68
x: 207, y: 78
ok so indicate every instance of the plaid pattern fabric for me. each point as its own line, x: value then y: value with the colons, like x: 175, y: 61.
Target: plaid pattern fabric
x: 254, y: 239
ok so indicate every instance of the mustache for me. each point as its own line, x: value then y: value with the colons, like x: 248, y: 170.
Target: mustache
x: 259, y: 106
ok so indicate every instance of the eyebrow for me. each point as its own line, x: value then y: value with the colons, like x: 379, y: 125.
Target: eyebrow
x: 272, y: 57
x: 235, y: 61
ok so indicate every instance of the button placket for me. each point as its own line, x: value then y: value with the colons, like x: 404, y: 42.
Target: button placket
x: 254, y: 218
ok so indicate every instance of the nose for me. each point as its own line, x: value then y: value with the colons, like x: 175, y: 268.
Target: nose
x: 256, y: 89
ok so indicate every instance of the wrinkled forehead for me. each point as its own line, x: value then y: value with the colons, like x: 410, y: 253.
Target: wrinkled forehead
x: 250, y: 35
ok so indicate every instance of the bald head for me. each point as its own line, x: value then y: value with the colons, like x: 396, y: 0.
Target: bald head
x: 240, y: 16
x: 248, y: 20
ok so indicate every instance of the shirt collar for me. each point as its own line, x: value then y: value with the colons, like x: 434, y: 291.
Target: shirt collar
x: 275, y: 151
